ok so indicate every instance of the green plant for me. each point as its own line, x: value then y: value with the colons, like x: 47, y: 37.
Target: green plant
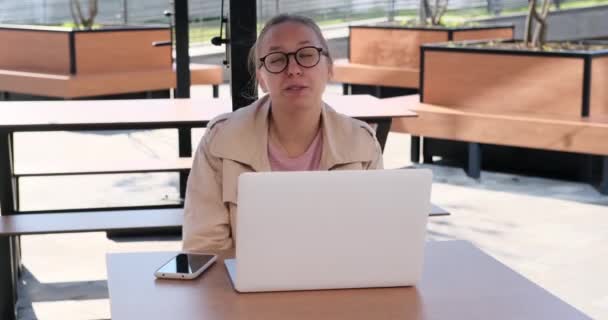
x: 80, y: 20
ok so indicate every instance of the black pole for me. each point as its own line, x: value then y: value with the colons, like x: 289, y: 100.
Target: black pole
x: 242, y: 33
x: 182, y: 69
x: 182, y: 42
x: 8, y: 293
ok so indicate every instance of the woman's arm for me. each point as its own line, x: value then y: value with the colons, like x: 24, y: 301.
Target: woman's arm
x: 377, y: 163
x: 206, y: 217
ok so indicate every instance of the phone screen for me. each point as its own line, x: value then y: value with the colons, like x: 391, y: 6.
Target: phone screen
x: 186, y: 263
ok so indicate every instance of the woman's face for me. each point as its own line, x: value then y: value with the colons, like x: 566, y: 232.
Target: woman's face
x: 296, y: 86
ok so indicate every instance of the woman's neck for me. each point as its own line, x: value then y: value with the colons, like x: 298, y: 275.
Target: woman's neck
x: 294, y: 130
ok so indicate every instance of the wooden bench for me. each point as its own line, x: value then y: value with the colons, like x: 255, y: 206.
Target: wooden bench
x: 180, y: 165
x: 63, y: 63
x: 364, y: 74
x: 385, y: 59
x: 90, y: 221
x: 102, y: 84
x: 559, y: 133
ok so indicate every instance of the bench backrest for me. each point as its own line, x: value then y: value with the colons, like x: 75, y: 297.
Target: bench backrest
x: 81, y: 52
x: 547, y: 84
x: 400, y: 47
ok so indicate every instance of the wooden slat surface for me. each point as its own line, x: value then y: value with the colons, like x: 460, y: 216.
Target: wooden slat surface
x: 108, y: 114
x: 89, y: 85
x: 206, y: 74
x: 504, y: 83
x: 91, y: 221
x: 121, y: 51
x: 117, y: 166
x: 35, y: 51
x: 570, y: 134
x: 364, y: 74
x: 502, y: 33
x: 24, y: 224
x: 366, y: 107
x: 599, y: 87
x: 390, y: 47
x: 65, y: 86
x: 459, y: 282
x: 44, y: 84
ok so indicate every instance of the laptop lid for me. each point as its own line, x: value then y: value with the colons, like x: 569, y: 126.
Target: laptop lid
x: 330, y: 229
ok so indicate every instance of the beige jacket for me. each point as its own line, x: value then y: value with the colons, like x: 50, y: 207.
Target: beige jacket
x: 237, y: 142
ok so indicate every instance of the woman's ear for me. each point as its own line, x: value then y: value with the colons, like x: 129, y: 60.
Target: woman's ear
x: 330, y: 71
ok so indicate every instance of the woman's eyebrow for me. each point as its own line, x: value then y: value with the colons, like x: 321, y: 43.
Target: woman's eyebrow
x: 273, y: 48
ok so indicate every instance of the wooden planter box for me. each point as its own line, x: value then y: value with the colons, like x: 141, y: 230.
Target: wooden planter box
x: 66, y: 51
x: 559, y: 84
x: 51, y: 62
x: 531, y: 111
x: 396, y: 46
x: 385, y: 60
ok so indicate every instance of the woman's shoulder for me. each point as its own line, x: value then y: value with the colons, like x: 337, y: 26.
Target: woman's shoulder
x: 235, y: 121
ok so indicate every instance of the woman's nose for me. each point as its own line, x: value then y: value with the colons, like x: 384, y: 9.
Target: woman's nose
x: 293, y: 68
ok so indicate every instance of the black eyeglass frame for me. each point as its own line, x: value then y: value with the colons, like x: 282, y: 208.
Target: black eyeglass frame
x: 321, y: 51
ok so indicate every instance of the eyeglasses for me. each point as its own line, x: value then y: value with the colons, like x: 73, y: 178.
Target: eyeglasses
x: 307, y: 57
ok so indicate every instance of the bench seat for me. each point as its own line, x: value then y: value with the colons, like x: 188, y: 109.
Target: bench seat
x: 81, y: 168
x: 586, y: 135
x: 90, y: 85
x: 569, y: 134
x: 363, y: 74
x: 96, y: 221
x: 90, y: 221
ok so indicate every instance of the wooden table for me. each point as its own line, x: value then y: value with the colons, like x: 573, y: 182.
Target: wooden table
x: 182, y: 114
x: 459, y: 282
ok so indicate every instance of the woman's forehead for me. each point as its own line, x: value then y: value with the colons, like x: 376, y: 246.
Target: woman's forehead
x: 288, y: 36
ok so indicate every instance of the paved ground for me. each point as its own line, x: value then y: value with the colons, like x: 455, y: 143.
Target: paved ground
x: 553, y: 232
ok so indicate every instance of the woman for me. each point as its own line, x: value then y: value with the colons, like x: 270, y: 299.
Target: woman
x: 290, y: 128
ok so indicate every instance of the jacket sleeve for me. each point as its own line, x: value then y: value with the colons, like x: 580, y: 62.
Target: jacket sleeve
x: 206, y: 217
x: 377, y: 163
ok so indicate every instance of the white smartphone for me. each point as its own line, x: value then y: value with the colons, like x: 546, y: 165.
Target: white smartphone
x: 185, y: 266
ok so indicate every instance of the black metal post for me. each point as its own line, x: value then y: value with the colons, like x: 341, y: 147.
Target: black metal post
x: 182, y: 69
x: 427, y: 154
x: 185, y: 150
x: 603, y: 187
x: 7, y: 204
x: 586, y: 87
x: 345, y: 89
x: 8, y: 293
x: 474, y: 160
x: 378, y: 91
x: 415, y: 149
x: 182, y: 42
x: 242, y: 32
x: 384, y: 126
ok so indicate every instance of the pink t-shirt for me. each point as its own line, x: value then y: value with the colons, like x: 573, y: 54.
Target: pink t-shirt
x: 308, y: 161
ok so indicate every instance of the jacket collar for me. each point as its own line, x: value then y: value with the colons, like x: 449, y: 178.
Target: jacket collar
x: 244, y: 138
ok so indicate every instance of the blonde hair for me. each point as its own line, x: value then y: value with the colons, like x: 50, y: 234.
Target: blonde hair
x: 254, y: 52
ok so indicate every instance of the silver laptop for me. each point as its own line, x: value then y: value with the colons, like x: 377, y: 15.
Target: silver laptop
x: 330, y: 229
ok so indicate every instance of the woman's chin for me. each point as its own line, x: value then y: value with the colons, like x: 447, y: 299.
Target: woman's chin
x: 304, y: 98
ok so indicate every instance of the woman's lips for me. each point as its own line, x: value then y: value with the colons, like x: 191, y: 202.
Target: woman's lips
x: 295, y: 88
